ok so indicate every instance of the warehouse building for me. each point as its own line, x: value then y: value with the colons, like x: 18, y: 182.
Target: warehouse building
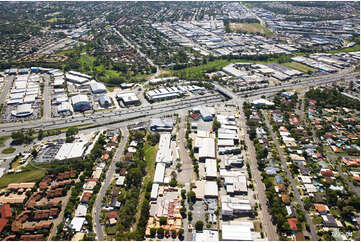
x: 234, y: 207
x: 211, y: 169
x: 80, y: 103
x: 240, y: 231
x: 164, y: 154
x: 97, y: 87
x: 76, y: 79
x: 205, y: 148
x: 64, y: 107
x: 161, y: 124
x: 211, y: 189
x: 163, y: 93
x: 71, y: 151
x: 154, y: 192
x: 128, y: 98
x: 159, y: 173
x: 23, y: 110
x: 205, y: 235
x: 105, y: 101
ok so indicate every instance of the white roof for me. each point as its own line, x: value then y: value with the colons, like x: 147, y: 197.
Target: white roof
x: 79, y: 99
x: 97, y: 86
x: 70, y: 150
x: 211, y: 189
x: 81, y: 210
x: 127, y: 96
x: 262, y: 101
x: 211, y: 168
x: 159, y: 173
x: 76, y: 79
x: 64, y: 107
x: 24, y: 108
x: 120, y: 181
x: 207, y: 147
x: 236, y: 232
x: 154, y: 193
x: 77, y: 223
x: 29, y: 98
x: 206, y: 235
x: 164, y: 153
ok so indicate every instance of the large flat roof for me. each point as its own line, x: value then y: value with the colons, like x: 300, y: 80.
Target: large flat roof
x: 236, y: 232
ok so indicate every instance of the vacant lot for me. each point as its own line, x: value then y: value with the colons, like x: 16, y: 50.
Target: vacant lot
x: 298, y: 66
x: 29, y: 174
x: 250, y: 28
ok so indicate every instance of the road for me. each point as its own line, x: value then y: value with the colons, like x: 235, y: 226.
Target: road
x: 97, y: 227
x: 186, y: 175
x: 105, y: 118
x: 269, y: 228
x: 8, y: 82
x: 290, y: 178
x: 312, y: 81
x: 47, y: 98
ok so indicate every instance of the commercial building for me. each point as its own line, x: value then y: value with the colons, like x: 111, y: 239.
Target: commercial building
x: 159, y: 173
x: 71, y: 151
x: 97, y: 87
x: 64, y: 107
x: 205, y: 148
x: 23, y: 110
x: 205, y: 235
x: 237, y: 231
x: 80, y: 103
x: 76, y: 79
x: 164, y: 154
x: 161, y: 124
x: 77, y: 223
x: 211, y: 189
x: 154, y: 192
x: 105, y: 101
x: 233, y: 207
x: 128, y: 98
x: 211, y: 169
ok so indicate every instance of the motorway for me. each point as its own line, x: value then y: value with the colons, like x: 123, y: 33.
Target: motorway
x: 312, y: 81
x: 104, y: 118
x: 291, y: 179
x: 108, y: 178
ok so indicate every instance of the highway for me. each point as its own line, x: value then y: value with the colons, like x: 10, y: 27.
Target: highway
x: 104, y: 118
x: 312, y: 81
x: 108, y: 178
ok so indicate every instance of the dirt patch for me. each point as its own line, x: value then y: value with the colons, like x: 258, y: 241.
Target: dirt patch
x: 249, y: 28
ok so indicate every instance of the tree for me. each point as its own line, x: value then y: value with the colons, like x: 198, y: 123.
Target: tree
x: 160, y: 232
x: 183, y: 193
x: 199, y: 225
x: 153, y: 231
x: 191, y: 196
x: 180, y: 232
x: 163, y: 220
x: 216, y: 125
x: 179, y: 166
x: 183, y: 211
x: 72, y: 131
x: 190, y: 216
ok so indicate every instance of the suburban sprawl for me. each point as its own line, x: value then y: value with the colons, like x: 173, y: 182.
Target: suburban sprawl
x: 168, y: 121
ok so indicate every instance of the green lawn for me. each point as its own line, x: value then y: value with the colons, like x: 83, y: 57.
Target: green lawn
x: 298, y: 66
x: 29, y: 174
x: 348, y: 49
x: 197, y: 72
x: 3, y: 139
x: 8, y: 150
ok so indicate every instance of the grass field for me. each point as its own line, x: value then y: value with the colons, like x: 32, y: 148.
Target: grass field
x: 348, y: 49
x: 197, y: 72
x: 150, y: 153
x: 3, y: 139
x: 8, y: 150
x: 298, y: 66
x: 29, y: 174
x: 250, y: 28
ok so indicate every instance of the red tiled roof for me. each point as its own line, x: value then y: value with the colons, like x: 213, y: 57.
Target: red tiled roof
x: 293, y: 223
x: 5, y: 211
x: 112, y: 214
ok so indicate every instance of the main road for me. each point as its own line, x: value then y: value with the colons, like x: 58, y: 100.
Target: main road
x: 108, y: 178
